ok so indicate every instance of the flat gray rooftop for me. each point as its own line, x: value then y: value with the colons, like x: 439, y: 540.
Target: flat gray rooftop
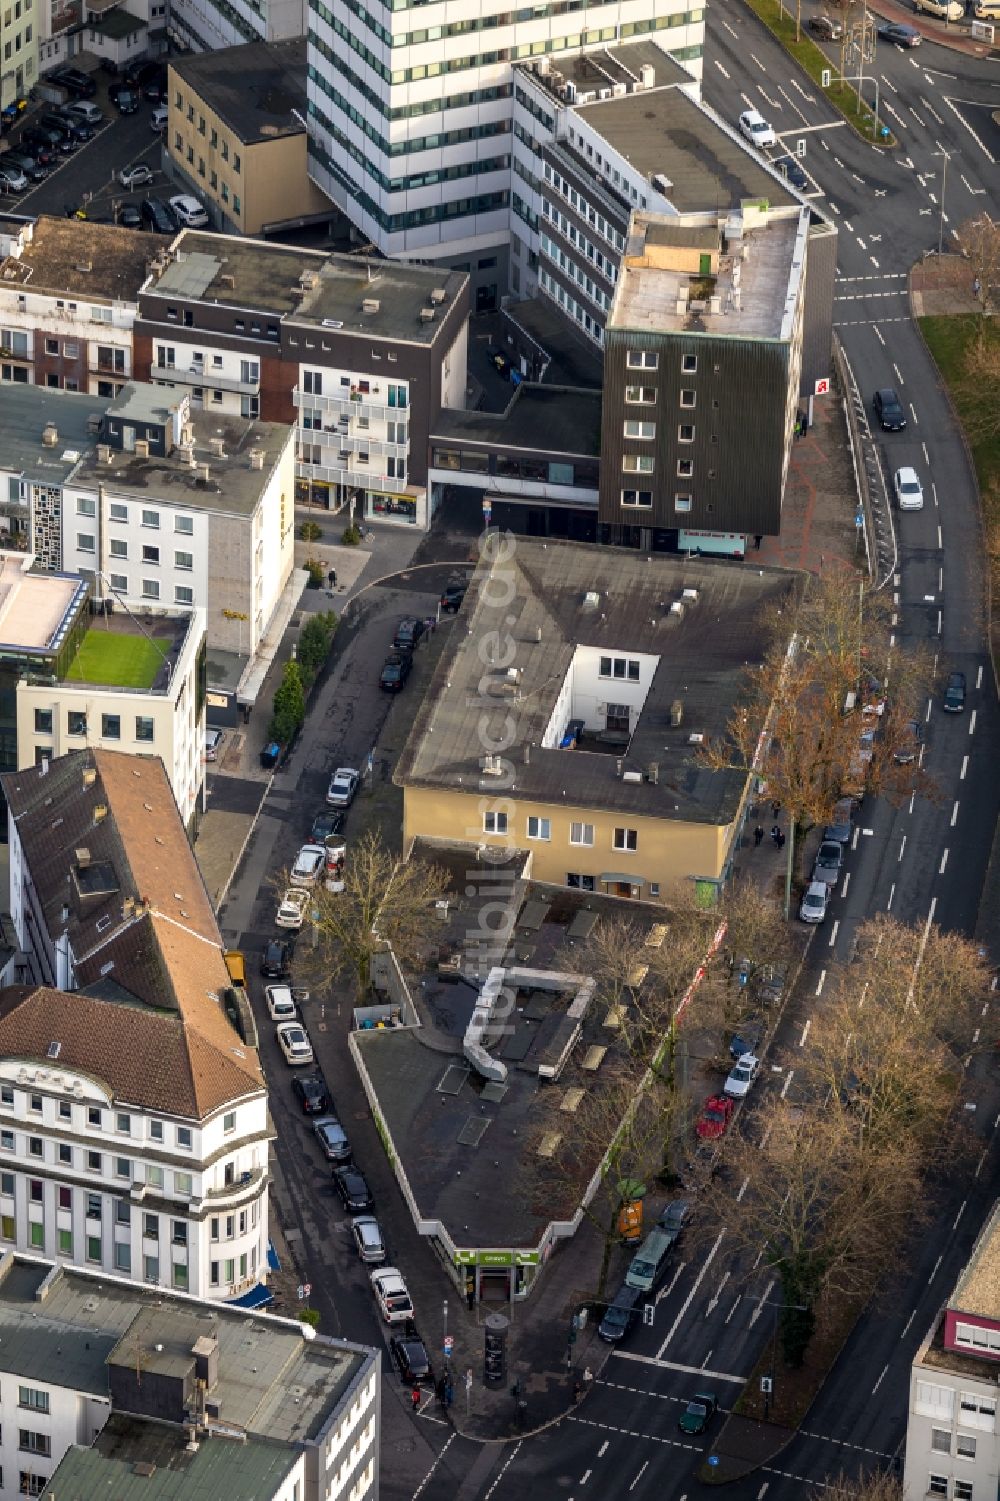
x: 702, y: 655
x: 751, y: 295
x: 232, y: 486
x: 574, y: 360
x: 457, y: 1140
x: 253, y: 87
x: 603, y: 67
x: 309, y: 287
x: 272, y: 1382
x: 25, y: 413
x: 132, y: 1460
x: 549, y: 419
x: 665, y: 131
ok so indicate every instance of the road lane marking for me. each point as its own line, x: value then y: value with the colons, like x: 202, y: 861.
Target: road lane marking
x: 665, y: 1290
x: 944, y: 862
x: 972, y: 723
x: 784, y: 1090
x: 604, y: 1449
x: 673, y: 1365
x: 690, y: 1297
x: 979, y: 676
x: 441, y: 1456
x: 961, y: 1211
x: 954, y: 814
x: 713, y: 1301
x: 902, y: 847
x: 635, y: 1482
x: 908, y: 1322
x: 833, y: 932
x: 940, y: 540
x: 743, y: 1188
x: 822, y: 977
x: 847, y: 882
x: 585, y: 1476
x: 805, y: 1033
x: 933, y: 1274
x: 880, y: 1380
x: 730, y: 1313
x: 965, y: 767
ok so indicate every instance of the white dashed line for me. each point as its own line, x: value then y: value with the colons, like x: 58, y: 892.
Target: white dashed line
x: 972, y: 723
x: 805, y: 1030
x: 944, y: 862
x: 880, y: 1380
x: 822, y: 977
x: 892, y: 893
x: 965, y: 767
x: 954, y: 814
x: 902, y: 848
x: 934, y: 1269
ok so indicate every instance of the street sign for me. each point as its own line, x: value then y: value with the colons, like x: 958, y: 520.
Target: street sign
x: 825, y: 77
x: 449, y: 1346
x: 800, y: 146
x: 713, y: 1460
x: 822, y: 387
x: 648, y: 1312
x: 766, y: 1385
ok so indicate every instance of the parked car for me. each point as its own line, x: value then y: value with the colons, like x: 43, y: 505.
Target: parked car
x: 909, y: 491
x: 74, y: 81
x: 354, y: 1192
x: 945, y: 10
x: 829, y: 862
x: 213, y: 744
x: 135, y: 176
x: 769, y: 985
x: 826, y: 27
x: 756, y: 129
x: 276, y: 961
x: 621, y: 1314
x: 841, y: 825
x: 12, y: 179
x: 343, y: 786
x: 129, y: 216
x: 293, y: 907
x: 395, y: 671
x: 954, y: 693
x: 715, y: 1116
x: 281, y: 1005
x: 408, y: 633
x: 900, y: 34
x: 391, y: 1295
x: 368, y: 1239
x: 911, y: 739
x: 452, y: 597
x: 814, y: 902
x: 77, y: 130
x: 742, y: 1074
x: 332, y: 1138
x: 125, y: 100
x: 889, y: 410
x: 271, y: 754
x: 410, y: 1358
x: 309, y: 864
x: 698, y: 1413
x: 189, y: 213
x: 746, y: 1040
x: 156, y: 217
x: 789, y: 168
x: 52, y: 141
x: 327, y: 824
x: 674, y: 1217
x: 158, y: 119
x: 33, y: 170
x: 84, y: 110
x: 311, y: 1093
x: 293, y: 1040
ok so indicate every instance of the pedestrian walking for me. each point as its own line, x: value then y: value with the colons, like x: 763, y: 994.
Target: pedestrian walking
x: 775, y: 836
x: 781, y: 840
x: 449, y: 1392
x: 776, y: 807
x: 758, y: 835
x: 577, y: 1391
x: 440, y: 1390
x: 757, y: 541
x: 415, y: 1399
x: 977, y: 287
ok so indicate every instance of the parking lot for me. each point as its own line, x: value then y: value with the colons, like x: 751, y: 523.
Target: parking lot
x: 89, y: 177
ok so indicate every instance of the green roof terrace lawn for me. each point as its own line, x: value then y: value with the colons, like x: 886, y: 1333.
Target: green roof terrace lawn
x: 118, y: 660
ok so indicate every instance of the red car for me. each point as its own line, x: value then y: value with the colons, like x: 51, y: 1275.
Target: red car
x: 715, y: 1116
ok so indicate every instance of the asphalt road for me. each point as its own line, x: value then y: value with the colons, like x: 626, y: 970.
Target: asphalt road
x: 920, y: 861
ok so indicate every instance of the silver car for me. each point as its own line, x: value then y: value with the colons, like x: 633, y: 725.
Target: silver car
x: 814, y: 903
x: 368, y: 1238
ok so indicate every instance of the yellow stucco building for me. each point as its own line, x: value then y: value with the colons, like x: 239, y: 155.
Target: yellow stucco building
x: 568, y: 709
x: 236, y: 136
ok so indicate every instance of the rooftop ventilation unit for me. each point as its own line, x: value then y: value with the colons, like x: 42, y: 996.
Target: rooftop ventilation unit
x: 427, y: 315
x: 218, y: 447
x: 569, y: 92
x: 142, y: 448
x: 662, y: 183
x: 103, y: 453
x: 333, y: 323
x: 591, y: 599
x: 309, y: 281
x: 619, y: 90
x: 647, y: 75
x: 227, y: 280
x: 370, y: 305
x: 604, y: 93
x: 677, y: 712
x: 438, y: 295
x: 689, y: 596
x: 50, y: 435
x: 631, y: 776
x: 256, y: 458
x: 491, y: 766
x: 677, y: 609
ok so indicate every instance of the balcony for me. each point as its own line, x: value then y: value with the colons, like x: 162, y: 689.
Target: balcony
x: 333, y: 442
x: 368, y: 404
x: 213, y: 380
x: 243, y: 1183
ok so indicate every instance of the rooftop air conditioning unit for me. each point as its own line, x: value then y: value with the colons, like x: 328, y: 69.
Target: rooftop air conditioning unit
x: 677, y: 609
x: 370, y: 305
x: 619, y: 90
x: 142, y: 448
x: 631, y: 776
x: 333, y: 323
x: 647, y: 75
x: 591, y: 599
x: 427, y: 315
x: 438, y: 296
x: 690, y: 596
x: 544, y: 67
x: 604, y: 93
x: 569, y: 92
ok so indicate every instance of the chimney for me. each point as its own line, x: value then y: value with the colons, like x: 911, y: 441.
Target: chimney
x: 206, y: 1355
x: 89, y: 776
x: 103, y: 453
x: 50, y: 435
x: 653, y: 772
x: 218, y: 447
x: 142, y: 448
x: 256, y: 458
x: 100, y: 812
x: 82, y: 857
x: 206, y: 473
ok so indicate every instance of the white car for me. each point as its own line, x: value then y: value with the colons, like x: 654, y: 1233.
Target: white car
x: 909, y: 491
x: 158, y: 119
x: 188, y: 211
x: 814, y: 903
x: 391, y: 1295
x: 948, y: 10
x: 343, y: 786
x: 756, y: 129
x: 135, y: 177
x: 213, y: 744
x: 741, y: 1076
x: 293, y: 1040
x: 294, y: 906
x: 309, y: 863
x: 280, y: 1003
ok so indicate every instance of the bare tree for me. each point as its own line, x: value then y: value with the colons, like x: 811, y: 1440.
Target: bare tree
x: 879, y: 1486
x: 979, y: 238
x: 385, y: 899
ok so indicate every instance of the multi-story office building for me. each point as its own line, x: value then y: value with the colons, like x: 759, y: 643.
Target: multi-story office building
x: 410, y: 114
x: 363, y: 354
x: 134, y: 1126
x: 110, y: 1390
x: 19, y: 36
x: 702, y: 360
x: 952, y: 1437
x: 68, y: 291
x: 69, y: 681
x: 205, y: 25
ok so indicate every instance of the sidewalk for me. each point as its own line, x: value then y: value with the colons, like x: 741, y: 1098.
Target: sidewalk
x: 817, y: 514
x: 943, y: 33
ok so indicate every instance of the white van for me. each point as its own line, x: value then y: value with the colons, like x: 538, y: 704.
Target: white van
x: 986, y: 10
x: 947, y: 10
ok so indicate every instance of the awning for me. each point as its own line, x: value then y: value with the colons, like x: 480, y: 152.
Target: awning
x: 257, y: 1297
x: 621, y: 878
x: 273, y: 1263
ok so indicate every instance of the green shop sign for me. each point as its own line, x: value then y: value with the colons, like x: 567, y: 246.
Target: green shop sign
x: 497, y: 1258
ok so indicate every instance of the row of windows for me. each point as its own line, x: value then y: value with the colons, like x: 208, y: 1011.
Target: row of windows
x: 236, y: 161
x: 87, y: 542
x: 86, y: 505
x: 607, y: 266
x: 210, y: 175
x: 395, y: 148
x: 465, y: 100
x: 221, y: 1227
x: 435, y: 213
x: 64, y: 1245
x: 586, y: 210
x: 937, y: 1485
x: 624, y: 840
x: 643, y: 499
x: 149, y: 589
x: 97, y: 1118
x: 94, y: 1162
x: 111, y: 725
x: 558, y: 292
x: 574, y: 270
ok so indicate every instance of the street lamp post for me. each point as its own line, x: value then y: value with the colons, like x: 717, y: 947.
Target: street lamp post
x: 768, y: 1388
x: 945, y: 159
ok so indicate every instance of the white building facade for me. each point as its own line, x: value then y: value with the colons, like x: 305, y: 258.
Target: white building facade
x: 410, y: 115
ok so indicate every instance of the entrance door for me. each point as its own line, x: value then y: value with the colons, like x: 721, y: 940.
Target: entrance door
x: 617, y: 718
